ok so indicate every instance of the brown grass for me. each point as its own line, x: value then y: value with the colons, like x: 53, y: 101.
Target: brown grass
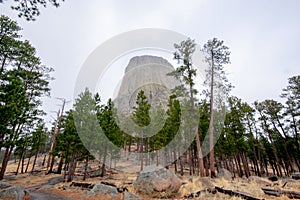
x: 126, y: 179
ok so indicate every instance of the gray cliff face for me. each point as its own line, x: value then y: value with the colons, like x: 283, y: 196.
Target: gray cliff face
x: 148, y: 73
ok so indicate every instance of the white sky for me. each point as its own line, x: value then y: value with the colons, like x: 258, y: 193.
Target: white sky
x: 263, y: 37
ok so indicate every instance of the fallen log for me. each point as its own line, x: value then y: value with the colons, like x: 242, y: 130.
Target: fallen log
x: 198, y: 193
x: 119, y: 189
x: 90, y: 186
x: 290, y: 194
x: 107, y: 183
x: 296, y: 176
x: 82, y: 185
x: 236, y: 193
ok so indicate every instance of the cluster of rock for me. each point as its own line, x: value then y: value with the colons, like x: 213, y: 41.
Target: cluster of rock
x: 9, y: 191
x: 158, y: 182
x: 153, y: 181
x: 111, y: 191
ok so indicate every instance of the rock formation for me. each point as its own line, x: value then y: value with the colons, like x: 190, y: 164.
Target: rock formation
x: 148, y: 73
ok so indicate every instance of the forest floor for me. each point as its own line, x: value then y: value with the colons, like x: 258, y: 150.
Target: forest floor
x: 38, y: 184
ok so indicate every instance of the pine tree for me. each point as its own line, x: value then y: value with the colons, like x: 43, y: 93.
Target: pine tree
x: 216, y: 55
x: 186, y: 73
x: 141, y: 117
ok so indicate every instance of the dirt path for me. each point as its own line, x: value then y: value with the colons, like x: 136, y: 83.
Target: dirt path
x: 43, y: 195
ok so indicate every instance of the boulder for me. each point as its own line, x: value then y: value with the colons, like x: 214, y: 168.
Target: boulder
x: 157, y: 182
x: 101, y: 189
x: 131, y: 196
x: 273, y: 178
x: 224, y: 173
x: 9, y: 191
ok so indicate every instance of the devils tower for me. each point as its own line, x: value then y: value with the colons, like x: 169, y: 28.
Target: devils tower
x: 147, y: 73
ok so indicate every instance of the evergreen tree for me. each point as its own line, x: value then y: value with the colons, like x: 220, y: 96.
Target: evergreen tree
x: 141, y: 117
x: 216, y: 55
x: 186, y: 73
x: 23, y: 82
x: 69, y: 144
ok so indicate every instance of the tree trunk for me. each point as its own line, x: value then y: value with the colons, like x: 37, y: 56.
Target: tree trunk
x: 239, y: 166
x: 103, y: 170
x: 19, y: 163
x: 22, y: 163
x: 245, y: 164
x: 3, y: 63
x: 142, y: 153
x: 86, y: 166
x: 200, y: 155
x: 288, y: 160
x: 51, y: 164
x: 65, y: 169
x: 72, y: 168
x: 28, y: 164
x: 211, y: 123
x: 34, y: 161
x: 5, y: 161
x: 206, y: 166
x: 60, y: 165
x: 181, y: 166
x: 43, y: 163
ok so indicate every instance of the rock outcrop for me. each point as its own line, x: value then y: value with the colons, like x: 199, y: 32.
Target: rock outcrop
x: 9, y: 191
x: 147, y: 73
x: 224, y: 173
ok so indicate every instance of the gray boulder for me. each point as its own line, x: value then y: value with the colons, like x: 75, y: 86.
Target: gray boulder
x: 103, y: 189
x: 157, y: 182
x: 224, y: 173
x: 9, y: 191
x: 259, y: 181
x: 131, y: 196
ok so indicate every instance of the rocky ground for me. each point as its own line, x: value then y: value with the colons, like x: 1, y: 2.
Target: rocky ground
x: 41, y: 186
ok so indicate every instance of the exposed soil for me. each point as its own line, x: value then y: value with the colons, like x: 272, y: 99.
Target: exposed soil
x: 51, y: 186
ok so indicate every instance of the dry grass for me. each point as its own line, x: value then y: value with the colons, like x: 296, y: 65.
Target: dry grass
x: 192, y: 184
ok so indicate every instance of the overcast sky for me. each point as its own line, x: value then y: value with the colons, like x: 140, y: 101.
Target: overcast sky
x: 263, y: 37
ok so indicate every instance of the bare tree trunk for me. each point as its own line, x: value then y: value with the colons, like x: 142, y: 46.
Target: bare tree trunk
x: 43, y: 163
x: 22, y: 164
x: 3, y: 63
x: 211, y: 123
x: 66, y: 168
x: 86, y: 166
x: 238, y: 165
x: 72, y: 168
x: 181, y: 166
x: 5, y: 161
x: 51, y: 164
x: 142, y: 153
x: 103, y: 170
x: 60, y: 164
x: 34, y: 161
x: 28, y: 164
x: 55, y: 132
x: 19, y: 163
x: 245, y: 164
x: 206, y: 166
x: 200, y: 155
